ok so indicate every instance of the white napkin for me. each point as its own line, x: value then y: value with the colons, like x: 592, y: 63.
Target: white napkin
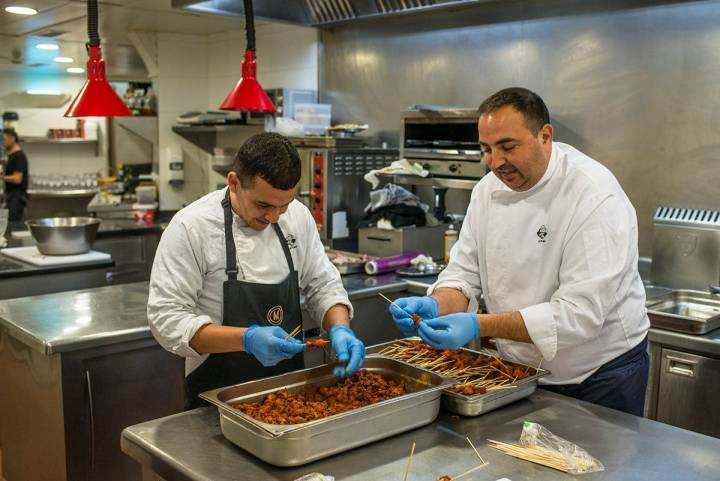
x: 402, y: 166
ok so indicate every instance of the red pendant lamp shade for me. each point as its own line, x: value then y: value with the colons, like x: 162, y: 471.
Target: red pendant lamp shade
x: 248, y: 95
x: 96, y: 98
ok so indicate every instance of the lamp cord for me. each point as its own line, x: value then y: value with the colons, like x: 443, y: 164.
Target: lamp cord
x: 249, y: 25
x: 92, y: 13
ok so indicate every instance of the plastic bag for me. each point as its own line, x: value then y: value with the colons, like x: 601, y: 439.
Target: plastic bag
x: 315, y: 477
x: 578, y: 460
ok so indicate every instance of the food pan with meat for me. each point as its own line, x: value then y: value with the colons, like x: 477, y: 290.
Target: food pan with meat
x: 301, y: 416
x: 483, y: 381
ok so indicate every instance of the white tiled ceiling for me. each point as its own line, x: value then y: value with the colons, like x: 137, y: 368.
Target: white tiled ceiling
x: 66, y: 23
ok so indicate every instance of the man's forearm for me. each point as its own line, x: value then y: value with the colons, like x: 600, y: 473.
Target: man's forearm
x: 15, y: 178
x: 504, y: 325
x: 450, y: 300
x: 212, y: 338
x: 337, y: 314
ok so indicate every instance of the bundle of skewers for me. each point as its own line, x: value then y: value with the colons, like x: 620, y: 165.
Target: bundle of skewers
x: 475, y: 373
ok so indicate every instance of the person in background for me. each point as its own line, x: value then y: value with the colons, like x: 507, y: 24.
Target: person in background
x: 551, y: 243
x: 227, y: 276
x: 16, y: 177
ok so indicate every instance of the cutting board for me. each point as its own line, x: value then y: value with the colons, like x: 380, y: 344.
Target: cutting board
x: 31, y: 255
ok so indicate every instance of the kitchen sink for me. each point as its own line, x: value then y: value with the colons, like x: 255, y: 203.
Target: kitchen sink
x: 693, y: 312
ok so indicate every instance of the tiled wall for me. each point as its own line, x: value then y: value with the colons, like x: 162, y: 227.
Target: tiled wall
x: 182, y: 86
x: 197, y: 72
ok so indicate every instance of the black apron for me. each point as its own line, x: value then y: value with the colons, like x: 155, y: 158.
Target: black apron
x: 246, y: 303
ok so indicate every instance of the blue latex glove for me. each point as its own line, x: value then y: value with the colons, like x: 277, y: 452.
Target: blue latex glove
x: 348, y: 349
x: 268, y: 344
x: 449, y: 332
x: 425, y: 307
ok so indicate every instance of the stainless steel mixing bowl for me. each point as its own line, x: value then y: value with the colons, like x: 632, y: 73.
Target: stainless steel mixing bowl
x: 61, y: 236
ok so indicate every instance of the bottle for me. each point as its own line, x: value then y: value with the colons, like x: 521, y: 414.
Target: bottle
x: 451, y: 237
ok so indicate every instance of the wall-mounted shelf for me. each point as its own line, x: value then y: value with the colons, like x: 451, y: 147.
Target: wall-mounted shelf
x: 205, y: 136
x: 442, y: 182
x: 47, y: 140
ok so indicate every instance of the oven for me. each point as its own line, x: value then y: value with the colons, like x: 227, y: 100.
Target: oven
x: 332, y: 184
x: 443, y: 140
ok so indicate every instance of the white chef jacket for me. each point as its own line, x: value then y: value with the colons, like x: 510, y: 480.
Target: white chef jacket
x: 564, y: 253
x: 189, y: 270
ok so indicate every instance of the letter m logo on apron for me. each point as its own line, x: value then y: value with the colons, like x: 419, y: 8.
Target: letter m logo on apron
x: 275, y: 316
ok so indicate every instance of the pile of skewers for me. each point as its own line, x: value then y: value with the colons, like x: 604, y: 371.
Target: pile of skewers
x: 476, y: 374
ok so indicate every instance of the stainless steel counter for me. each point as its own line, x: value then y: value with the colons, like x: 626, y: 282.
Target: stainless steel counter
x: 74, y: 320
x: 708, y: 344
x: 68, y: 321
x: 189, y: 446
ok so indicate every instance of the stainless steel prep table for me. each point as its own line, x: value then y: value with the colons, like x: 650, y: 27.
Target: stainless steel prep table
x: 190, y: 447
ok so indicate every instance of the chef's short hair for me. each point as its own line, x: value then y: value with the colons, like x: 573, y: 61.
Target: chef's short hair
x: 271, y: 157
x: 12, y: 133
x: 528, y: 103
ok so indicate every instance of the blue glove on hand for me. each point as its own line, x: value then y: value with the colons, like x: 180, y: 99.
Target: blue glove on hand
x: 348, y: 348
x: 269, y: 346
x: 449, y: 332
x: 426, y: 307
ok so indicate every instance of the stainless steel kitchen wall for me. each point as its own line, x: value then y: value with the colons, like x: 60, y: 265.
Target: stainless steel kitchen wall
x: 637, y: 88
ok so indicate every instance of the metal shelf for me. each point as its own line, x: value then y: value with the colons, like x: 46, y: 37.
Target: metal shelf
x: 205, y: 136
x: 442, y: 182
x: 62, y: 193
x: 48, y: 140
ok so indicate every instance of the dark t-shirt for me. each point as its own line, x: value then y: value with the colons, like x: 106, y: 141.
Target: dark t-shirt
x: 17, y: 162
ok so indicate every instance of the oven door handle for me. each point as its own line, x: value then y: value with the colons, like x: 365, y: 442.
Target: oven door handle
x: 380, y: 239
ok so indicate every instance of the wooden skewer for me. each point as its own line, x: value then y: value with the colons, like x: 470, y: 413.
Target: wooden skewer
x: 475, y: 449
x: 471, y: 470
x: 294, y: 332
x: 389, y: 300
x: 409, y: 463
x: 413, y: 316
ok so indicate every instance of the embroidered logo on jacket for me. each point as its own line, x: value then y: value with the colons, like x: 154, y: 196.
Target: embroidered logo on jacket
x: 542, y: 233
x: 275, y: 316
x: 291, y: 241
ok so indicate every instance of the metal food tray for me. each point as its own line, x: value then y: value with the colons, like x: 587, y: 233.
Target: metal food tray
x: 297, y: 444
x: 350, y: 268
x: 478, y: 404
x: 684, y: 310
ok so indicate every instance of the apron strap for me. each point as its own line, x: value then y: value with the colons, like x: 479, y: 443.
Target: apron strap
x: 284, y: 245
x: 230, y: 254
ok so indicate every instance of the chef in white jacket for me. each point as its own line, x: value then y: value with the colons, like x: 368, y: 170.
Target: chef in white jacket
x: 551, y: 243
x: 227, y: 276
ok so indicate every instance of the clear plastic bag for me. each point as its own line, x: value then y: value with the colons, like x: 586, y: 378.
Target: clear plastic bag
x: 315, y: 477
x: 576, y: 459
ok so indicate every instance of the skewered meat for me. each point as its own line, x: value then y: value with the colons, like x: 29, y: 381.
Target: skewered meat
x: 444, y: 478
x: 476, y: 373
x: 416, y: 319
x: 362, y: 389
x: 317, y: 343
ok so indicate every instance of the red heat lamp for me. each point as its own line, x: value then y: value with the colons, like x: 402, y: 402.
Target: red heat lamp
x: 96, y: 98
x: 248, y: 95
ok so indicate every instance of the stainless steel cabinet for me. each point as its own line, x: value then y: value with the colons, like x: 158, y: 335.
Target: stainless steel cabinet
x: 689, y: 392
x: 62, y: 414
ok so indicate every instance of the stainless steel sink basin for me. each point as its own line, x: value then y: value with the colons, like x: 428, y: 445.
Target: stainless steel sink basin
x: 693, y: 312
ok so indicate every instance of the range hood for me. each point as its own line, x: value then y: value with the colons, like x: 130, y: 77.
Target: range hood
x: 320, y: 13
